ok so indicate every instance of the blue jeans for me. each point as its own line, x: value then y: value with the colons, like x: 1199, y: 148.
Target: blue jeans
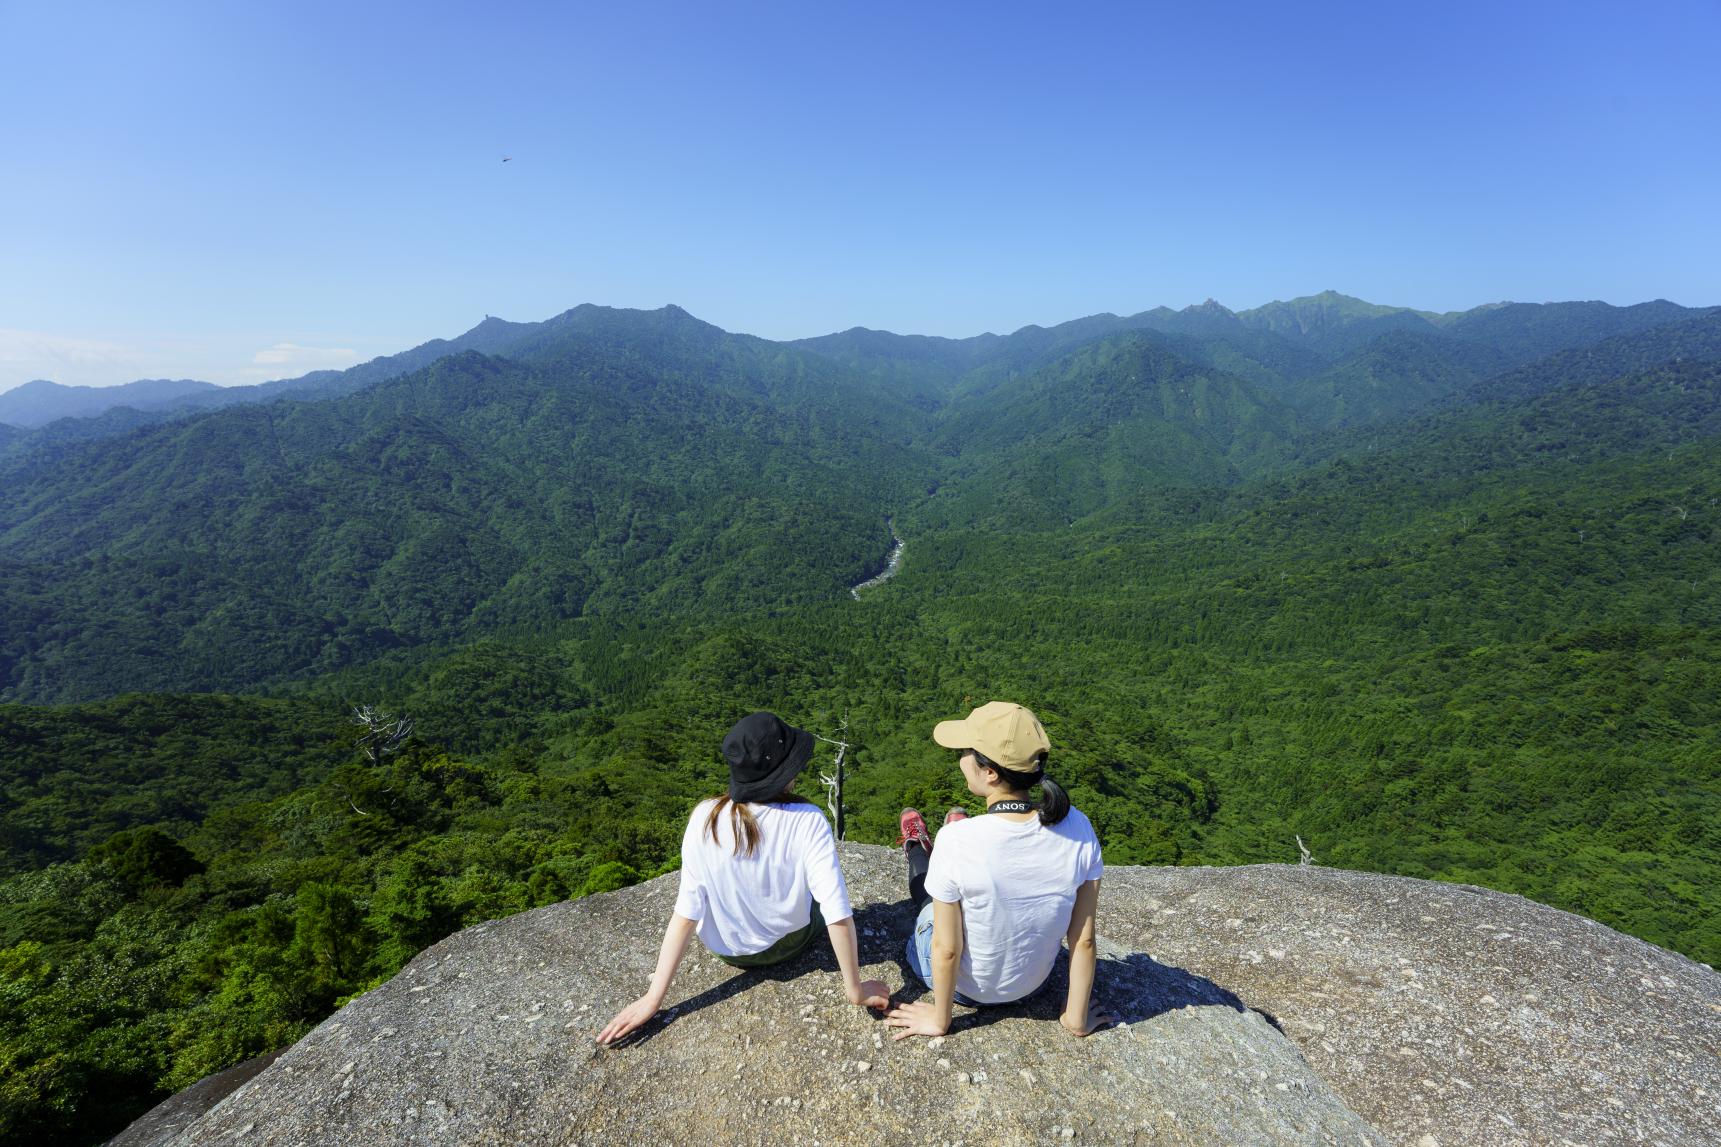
x: 918, y: 952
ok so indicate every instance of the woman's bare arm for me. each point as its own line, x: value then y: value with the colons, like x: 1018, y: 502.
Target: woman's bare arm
x: 933, y: 1019
x: 1079, y: 1018
x: 634, y: 1016
x: 863, y: 993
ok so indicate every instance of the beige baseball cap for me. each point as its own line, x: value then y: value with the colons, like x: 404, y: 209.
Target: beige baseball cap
x: 1003, y: 732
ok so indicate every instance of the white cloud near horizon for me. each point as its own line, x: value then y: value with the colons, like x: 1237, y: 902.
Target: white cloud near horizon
x: 27, y: 355
x: 290, y: 360
x: 310, y: 357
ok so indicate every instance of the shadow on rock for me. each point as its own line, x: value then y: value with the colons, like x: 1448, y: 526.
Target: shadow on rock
x: 875, y: 924
x: 1131, y: 986
x: 1137, y: 987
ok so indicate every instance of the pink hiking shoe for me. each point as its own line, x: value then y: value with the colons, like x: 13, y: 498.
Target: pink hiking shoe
x: 914, y: 830
x: 955, y: 815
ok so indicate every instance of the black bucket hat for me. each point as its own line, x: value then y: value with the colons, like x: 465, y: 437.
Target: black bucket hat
x: 764, y: 755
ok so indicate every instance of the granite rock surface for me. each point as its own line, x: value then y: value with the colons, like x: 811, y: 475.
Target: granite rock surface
x: 1261, y: 1005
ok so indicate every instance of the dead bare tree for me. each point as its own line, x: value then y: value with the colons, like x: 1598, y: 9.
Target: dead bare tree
x: 833, y: 780
x: 384, y: 733
x: 1307, y: 858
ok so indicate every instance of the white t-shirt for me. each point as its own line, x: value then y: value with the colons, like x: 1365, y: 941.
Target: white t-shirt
x: 744, y: 904
x: 1017, y: 885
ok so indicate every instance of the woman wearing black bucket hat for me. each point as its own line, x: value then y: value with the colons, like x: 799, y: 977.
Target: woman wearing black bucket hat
x: 759, y: 875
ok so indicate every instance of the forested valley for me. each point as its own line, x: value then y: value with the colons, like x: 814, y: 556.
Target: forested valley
x: 1438, y: 594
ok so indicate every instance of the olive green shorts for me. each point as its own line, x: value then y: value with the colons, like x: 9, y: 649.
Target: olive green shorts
x: 787, y: 948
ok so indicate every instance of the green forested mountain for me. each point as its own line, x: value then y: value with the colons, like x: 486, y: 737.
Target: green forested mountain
x: 1338, y: 325
x: 44, y: 444
x: 936, y: 370
x: 1694, y: 339
x: 1384, y: 587
x: 1335, y: 325
x: 1266, y: 360
x: 476, y: 496
x: 1524, y: 332
x: 74, y: 777
x: 75, y: 414
x: 1273, y: 345
x: 147, y: 401
x: 922, y: 368
x: 1389, y: 377
x: 1119, y: 416
x: 1281, y: 340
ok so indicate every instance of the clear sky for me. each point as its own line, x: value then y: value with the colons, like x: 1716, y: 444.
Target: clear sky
x: 237, y: 191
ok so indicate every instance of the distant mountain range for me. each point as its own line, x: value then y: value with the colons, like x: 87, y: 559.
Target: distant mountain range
x: 40, y: 402
x: 606, y: 462
x: 1293, y: 339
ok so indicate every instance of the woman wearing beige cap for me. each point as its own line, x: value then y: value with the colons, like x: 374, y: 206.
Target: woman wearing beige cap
x: 1001, y: 890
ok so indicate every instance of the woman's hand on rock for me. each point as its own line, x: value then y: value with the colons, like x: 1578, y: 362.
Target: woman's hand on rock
x: 629, y: 1020
x: 871, y: 994
x: 915, y: 1018
x: 1095, y: 1020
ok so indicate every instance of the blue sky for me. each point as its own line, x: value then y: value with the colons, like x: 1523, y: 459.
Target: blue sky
x: 241, y: 191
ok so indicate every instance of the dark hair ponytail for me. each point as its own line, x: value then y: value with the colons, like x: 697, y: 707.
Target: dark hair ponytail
x: 1054, y: 801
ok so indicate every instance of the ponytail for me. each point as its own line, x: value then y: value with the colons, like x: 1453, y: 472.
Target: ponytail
x: 1054, y: 801
x: 743, y: 827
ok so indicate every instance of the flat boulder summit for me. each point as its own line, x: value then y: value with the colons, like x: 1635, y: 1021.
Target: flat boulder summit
x: 1268, y: 1004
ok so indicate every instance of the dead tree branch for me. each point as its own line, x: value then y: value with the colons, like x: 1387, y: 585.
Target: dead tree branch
x: 384, y: 733
x: 833, y: 780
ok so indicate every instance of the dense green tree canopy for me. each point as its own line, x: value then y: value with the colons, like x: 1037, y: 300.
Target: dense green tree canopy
x: 1383, y: 581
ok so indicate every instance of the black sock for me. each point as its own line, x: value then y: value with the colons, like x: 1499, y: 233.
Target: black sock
x: 918, y: 862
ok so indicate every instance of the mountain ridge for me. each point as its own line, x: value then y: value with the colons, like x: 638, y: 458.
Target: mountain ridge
x: 477, y: 487
x: 1056, y: 428
x: 1331, y: 323
x: 38, y: 402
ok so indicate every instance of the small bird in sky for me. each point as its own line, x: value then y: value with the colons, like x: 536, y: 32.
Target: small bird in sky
x: 506, y: 158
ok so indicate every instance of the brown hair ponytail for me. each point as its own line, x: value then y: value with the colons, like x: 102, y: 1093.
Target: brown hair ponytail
x: 742, y: 826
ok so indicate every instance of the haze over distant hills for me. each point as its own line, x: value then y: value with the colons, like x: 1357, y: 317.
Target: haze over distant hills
x: 39, y: 402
